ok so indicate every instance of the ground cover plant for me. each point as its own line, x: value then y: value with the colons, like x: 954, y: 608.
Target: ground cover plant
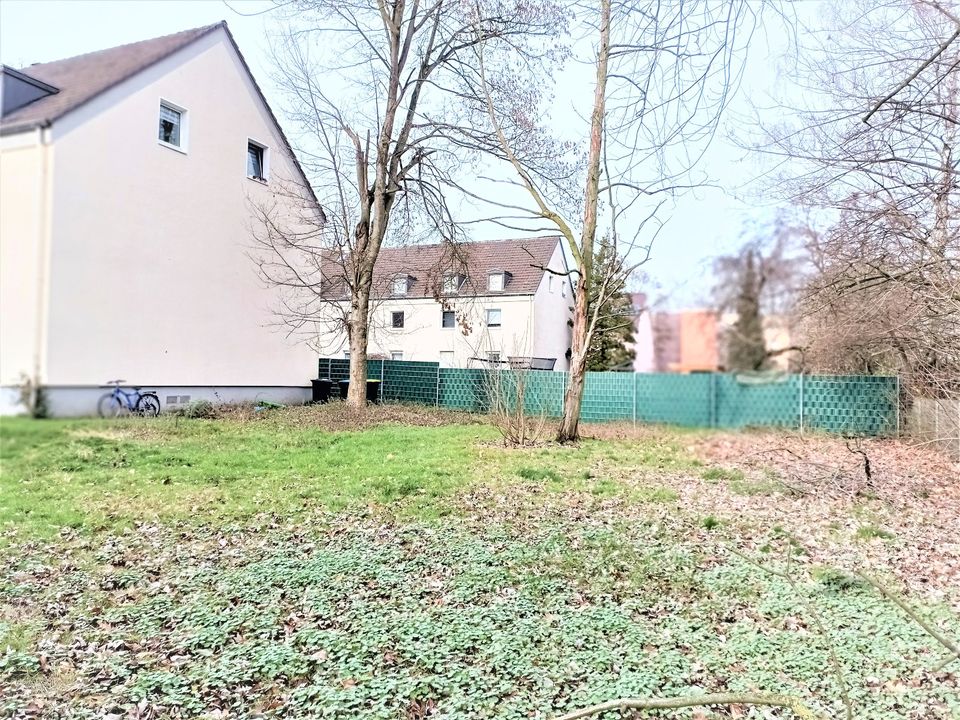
x: 307, y: 563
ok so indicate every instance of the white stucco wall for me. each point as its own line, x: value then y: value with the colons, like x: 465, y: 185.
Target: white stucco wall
x: 423, y: 336
x: 25, y: 163
x: 644, y: 359
x: 552, y: 311
x: 149, y: 277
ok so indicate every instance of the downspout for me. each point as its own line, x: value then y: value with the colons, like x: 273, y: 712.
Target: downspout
x: 43, y: 262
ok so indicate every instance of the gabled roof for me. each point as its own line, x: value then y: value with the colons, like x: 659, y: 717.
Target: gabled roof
x: 426, y: 265
x: 80, y: 79
x: 84, y: 77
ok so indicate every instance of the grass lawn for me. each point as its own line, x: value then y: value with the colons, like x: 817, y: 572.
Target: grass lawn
x: 310, y: 564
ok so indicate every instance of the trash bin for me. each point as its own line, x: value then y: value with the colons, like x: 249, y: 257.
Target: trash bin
x: 373, y: 391
x: 344, y: 387
x: 321, y: 390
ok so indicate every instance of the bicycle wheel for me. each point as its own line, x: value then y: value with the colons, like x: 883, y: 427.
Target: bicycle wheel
x: 109, y: 406
x: 148, y: 405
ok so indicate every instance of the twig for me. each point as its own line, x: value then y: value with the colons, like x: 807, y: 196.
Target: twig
x: 913, y: 76
x: 835, y: 665
x: 933, y: 632
x: 946, y: 661
x: 784, y: 701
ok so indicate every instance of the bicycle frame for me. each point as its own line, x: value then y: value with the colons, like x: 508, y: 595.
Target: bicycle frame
x: 130, y: 399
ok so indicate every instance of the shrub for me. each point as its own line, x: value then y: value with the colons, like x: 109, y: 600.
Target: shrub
x: 199, y: 410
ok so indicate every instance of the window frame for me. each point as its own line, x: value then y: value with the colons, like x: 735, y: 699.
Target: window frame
x: 405, y: 279
x: 394, y: 314
x: 184, y: 135
x: 443, y: 318
x: 394, y: 353
x: 452, y: 282
x: 496, y: 274
x: 264, y: 161
x: 499, y: 322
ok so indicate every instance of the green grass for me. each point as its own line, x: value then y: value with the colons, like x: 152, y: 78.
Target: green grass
x: 91, y: 474
x: 273, y: 567
x: 872, y: 532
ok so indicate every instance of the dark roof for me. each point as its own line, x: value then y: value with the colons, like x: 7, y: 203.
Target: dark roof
x: 80, y: 79
x: 524, y: 260
x: 84, y: 77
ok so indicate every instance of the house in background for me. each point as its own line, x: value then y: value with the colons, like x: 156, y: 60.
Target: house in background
x: 470, y: 305
x: 695, y: 340
x: 644, y: 359
x: 126, y: 178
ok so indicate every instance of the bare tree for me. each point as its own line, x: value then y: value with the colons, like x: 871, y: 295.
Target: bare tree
x: 373, y: 88
x: 761, y: 284
x: 875, y: 150
x: 663, y: 73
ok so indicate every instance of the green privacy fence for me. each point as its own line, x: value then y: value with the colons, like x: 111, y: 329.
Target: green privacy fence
x: 848, y: 404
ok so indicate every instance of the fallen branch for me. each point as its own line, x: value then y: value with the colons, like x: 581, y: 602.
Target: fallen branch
x: 933, y: 632
x: 783, y: 701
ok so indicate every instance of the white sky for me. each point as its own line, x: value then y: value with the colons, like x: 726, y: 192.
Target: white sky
x: 704, y: 223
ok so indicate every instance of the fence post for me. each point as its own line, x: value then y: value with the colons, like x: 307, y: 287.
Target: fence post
x: 801, y: 402
x: 634, y: 398
x: 713, y: 400
x: 383, y: 378
x: 897, y: 400
x: 437, y: 384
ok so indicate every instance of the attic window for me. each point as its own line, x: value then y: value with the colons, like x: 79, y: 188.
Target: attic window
x: 452, y: 282
x: 400, y: 285
x: 495, y: 282
x: 171, y: 130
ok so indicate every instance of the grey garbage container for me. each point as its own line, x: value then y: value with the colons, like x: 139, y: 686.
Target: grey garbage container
x: 373, y: 391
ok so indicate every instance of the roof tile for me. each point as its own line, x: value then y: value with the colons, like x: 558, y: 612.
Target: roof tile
x: 83, y: 77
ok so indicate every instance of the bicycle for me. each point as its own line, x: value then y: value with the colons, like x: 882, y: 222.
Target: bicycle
x: 119, y: 400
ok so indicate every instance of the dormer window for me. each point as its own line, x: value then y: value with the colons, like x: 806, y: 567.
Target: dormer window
x: 496, y: 281
x: 452, y: 283
x: 400, y: 285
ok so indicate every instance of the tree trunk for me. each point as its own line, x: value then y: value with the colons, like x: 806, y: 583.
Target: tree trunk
x: 359, y: 333
x: 570, y: 423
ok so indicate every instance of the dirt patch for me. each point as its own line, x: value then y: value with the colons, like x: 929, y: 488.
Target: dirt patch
x: 337, y: 417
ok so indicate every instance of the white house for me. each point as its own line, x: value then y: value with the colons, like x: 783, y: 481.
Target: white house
x: 470, y: 305
x: 126, y: 178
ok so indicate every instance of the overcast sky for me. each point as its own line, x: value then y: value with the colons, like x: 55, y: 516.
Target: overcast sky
x: 703, y: 223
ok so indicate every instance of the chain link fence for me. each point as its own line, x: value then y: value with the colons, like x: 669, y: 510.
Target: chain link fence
x: 846, y: 404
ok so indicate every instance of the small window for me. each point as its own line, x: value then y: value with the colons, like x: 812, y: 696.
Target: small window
x: 396, y: 319
x: 493, y: 317
x: 256, y: 157
x: 493, y: 357
x: 171, y: 124
x: 550, y: 283
x: 400, y: 285
x: 449, y: 319
x: 346, y: 354
x: 451, y: 283
x: 396, y: 355
x: 495, y: 282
